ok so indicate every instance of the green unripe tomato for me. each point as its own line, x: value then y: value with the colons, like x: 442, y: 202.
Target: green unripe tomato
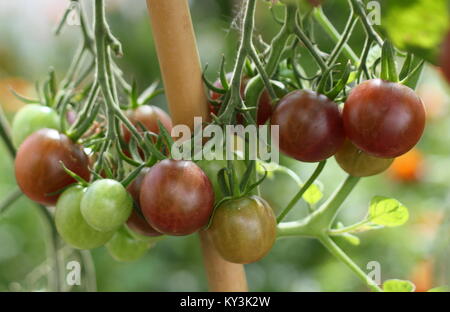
x: 106, y: 205
x: 31, y: 118
x: 71, y: 225
x: 124, y: 248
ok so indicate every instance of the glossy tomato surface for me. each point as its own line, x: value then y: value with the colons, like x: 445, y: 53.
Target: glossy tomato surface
x: 384, y: 119
x: 264, y: 103
x: 243, y: 230
x: 136, y: 222
x: 177, y: 197
x: 30, y: 118
x: 310, y: 126
x: 106, y: 205
x: 71, y: 225
x: 124, y: 248
x: 148, y: 116
x: 39, y: 173
x: 358, y: 163
x: 445, y: 57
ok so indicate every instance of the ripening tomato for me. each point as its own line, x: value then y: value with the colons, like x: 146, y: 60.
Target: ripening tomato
x: 384, y: 119
x: 71, y: 225
x: 408, y: 167
x: 148, y: 116
x: 264, y: 103
x: 106, y: 205
x: 31, y: 118
x: 136, y: 222
x: 310, y: 126
x: 358, y: 163
x: 445, y: 57
x: 177, y: 197
x: 124, y: 248
x: 39, y: 173
x: 243, y: 230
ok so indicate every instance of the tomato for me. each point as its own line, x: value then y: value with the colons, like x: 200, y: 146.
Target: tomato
x: 136, y: 222
x: 212, y: 167
x: 358, y: 163
x: 106, y: 205
x: 124, y: 248
x: 243, y: 230
x: 264, y: 104
x: 31, y: 118
x: 39, y: 173
x: 310, y: 126
x: 408, y: 167
x: 445, y: 57
x: 71, y: 225
x: 177, y: 197
x: 148, y: 116
x: 384, y: 119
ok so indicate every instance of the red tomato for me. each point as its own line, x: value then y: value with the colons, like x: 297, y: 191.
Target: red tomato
x: 176, y: 197
x: 38, y: 169
x: 384, y: 119
x: 311, y: 127
x: 136, y: 222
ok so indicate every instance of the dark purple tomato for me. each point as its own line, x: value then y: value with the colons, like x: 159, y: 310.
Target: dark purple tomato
x: 311, y: 127
x: 136, y: 222
x: 445, y: 57
x: 243, y: 230
x: 176, y: 197
x: 38, y: 169
x: 384, y: 119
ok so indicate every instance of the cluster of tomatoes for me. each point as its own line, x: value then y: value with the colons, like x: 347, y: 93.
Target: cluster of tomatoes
x: 380, y: 120
x: 173, y: 197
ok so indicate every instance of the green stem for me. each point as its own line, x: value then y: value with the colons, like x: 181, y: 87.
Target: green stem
x: 10, y: 199
x: 328, y: 27
x: 358, y: 6
x: 343, y: 257
x: 5, y: 133
x: 302, y: 190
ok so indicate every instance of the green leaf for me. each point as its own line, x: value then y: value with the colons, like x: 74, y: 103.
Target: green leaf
x: 387, y: 212
x: 396, y: 285
x: 440, y: 289
x: 313, y: 194
x: 417, y: 26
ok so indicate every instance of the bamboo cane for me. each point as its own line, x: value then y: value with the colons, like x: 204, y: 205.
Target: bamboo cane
x: 180, y: 66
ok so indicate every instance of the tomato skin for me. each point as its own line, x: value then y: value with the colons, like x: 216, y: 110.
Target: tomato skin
x: 177, y: 197
x: 124, y: 248
x: 384, y: 119
x: 445, y: 57
x: 148, y: 116
x: 37, y: 166
x: 243, y: 230
x: 71, y: 225
x: 106, y: 205
x: 358, y: 163
x: 264, y: 103
x: 30, y: 118
x: 310, y: 126
x: 136, y: 222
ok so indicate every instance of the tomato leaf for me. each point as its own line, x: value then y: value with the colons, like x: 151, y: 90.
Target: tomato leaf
x: 396, y: 285
x: 387, y: 212
x: 417, y: 26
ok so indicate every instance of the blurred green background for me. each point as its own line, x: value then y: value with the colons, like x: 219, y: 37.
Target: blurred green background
x: 418, y: 250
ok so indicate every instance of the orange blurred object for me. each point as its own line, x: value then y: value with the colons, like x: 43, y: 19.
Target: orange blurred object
x: 422, y: 275
x: 408, y: 167
x: 7, y: 100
